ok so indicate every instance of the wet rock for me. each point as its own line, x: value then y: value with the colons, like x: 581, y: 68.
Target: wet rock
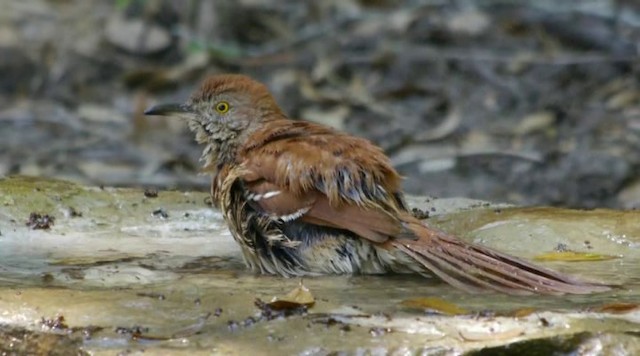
x: 19, y: 341
x: 142, y: 278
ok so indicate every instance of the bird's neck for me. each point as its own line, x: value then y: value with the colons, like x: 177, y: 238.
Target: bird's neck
x: 217, y: 154
x: 223, y: 143
x: 220, y: 145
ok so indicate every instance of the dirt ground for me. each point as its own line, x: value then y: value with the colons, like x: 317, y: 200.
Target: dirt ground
x: 514, y: 101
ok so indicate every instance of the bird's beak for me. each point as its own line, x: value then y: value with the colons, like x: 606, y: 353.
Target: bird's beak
x: 169, y: 109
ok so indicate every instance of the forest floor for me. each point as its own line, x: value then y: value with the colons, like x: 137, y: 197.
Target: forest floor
x: 511, y: 101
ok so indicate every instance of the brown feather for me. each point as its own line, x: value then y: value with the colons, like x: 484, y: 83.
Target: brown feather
x: 468, y: 266
x: 376, y: 226
x: 314, y: 157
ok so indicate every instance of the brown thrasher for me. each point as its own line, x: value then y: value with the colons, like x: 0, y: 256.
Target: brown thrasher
x: 303, y: 199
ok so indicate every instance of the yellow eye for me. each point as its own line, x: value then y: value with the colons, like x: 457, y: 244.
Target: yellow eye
x: 222, y: 107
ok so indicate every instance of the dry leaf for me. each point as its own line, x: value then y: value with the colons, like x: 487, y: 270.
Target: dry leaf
x: 434, y: 304
x: 298, y: 297
x: 535, y: 122
x: 572, y: 256
x: 615, y: 308
x: 521, y: 313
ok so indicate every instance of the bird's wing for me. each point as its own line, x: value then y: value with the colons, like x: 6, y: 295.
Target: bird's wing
x: 311, y: 173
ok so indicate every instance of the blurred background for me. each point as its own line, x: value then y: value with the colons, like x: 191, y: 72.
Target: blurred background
x: 529, y: 102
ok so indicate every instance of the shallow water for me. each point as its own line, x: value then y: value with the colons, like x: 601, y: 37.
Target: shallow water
x: 125, y: 278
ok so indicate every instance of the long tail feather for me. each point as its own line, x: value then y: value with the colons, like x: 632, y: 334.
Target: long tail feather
x: 472, y: 267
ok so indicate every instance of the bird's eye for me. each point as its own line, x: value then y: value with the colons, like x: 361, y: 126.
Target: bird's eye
x: 222, y: 107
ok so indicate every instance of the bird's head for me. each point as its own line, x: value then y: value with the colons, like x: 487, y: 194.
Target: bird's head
x: 223, y: 112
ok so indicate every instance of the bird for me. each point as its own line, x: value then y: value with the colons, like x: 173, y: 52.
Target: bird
x: 304, y: 199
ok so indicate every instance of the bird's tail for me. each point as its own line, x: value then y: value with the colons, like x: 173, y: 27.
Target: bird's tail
x: 473, y: 268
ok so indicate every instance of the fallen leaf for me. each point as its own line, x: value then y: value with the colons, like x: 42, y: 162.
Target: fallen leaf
x: 623, y: 99
x: 298, y: 297
x: 572, y: 256
x: 615, y: 308
x: 535, y: 122
x: 521, y: 313
x: 437, y: 305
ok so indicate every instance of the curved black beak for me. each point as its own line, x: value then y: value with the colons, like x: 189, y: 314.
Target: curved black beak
x: 168, y: 109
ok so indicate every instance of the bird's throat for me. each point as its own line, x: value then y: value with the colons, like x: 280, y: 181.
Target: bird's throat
x: 220, y: 144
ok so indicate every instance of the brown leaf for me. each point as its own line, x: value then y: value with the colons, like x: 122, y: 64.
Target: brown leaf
x: 615, y: 308
x: 298, y: 297
x: 521, y: 313
x: 572, y: 256
x: 437, y: 305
